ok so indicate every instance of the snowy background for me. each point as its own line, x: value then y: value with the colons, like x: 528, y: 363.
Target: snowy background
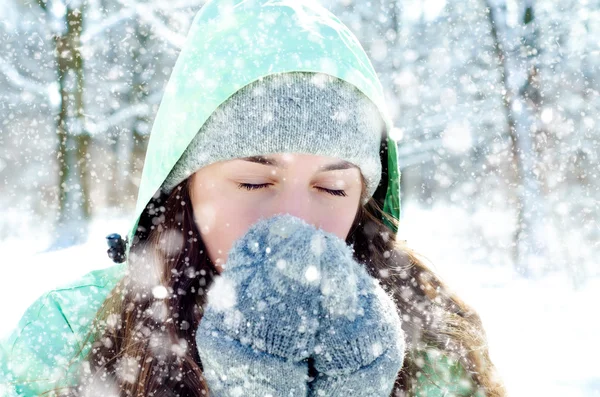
x: 496, y: 109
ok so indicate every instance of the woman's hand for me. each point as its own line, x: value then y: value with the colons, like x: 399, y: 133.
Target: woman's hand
x: 290, y: 292
x: 261, y: 319
x: 360, y: 343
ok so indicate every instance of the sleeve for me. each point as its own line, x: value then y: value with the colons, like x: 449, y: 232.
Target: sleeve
x: 36, y: 356
x: 440, y: 376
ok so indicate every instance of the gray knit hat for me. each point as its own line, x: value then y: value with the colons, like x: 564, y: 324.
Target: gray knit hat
x: 296, y: 112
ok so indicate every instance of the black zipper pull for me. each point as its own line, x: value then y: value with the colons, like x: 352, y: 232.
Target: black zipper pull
x: 116, y: 247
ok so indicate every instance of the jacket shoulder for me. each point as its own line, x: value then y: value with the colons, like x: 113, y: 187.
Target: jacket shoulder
x: 37, y: 354
x: 441, y: 375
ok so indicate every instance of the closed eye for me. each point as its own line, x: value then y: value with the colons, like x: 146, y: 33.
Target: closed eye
x: 249, y: 186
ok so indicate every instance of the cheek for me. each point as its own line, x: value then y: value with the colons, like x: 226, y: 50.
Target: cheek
x: 205, y: 215
x: 213, y: 208
x: 338, y: 219
x: 220, y: 223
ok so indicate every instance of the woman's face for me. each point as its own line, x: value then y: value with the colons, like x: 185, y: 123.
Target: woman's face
x: 229, y: 196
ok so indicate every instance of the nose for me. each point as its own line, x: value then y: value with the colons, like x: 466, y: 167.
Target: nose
x: 295, y: 199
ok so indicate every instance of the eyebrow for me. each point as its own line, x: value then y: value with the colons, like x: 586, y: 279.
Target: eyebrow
x: 341, y: 165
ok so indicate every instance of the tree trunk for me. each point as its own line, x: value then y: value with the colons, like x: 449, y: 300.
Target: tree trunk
x: 73, y: 141
x: 113, y: 134
x: 518, y: 73
x: 139, y: 139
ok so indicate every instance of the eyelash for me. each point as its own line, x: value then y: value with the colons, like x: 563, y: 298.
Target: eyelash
x: 249, y: 186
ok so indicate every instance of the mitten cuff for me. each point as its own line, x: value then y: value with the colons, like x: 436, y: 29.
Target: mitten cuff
x: 232, y: 369
x: 374, y: 380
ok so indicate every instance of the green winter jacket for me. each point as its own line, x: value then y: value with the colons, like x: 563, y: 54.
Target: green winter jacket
x: 230, y: 44
x: 36, y: 355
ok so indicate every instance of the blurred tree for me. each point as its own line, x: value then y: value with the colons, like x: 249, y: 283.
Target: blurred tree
x: 96, y: 70
x: 73, y: 139
x: 495, y: 103
x: 517, y: 51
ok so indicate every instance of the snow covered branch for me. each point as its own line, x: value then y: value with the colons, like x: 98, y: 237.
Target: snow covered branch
x: 146, y: 14
x: 15, y: 78
x: 179, y: 5
x: 119, y: 117
x: 419, y: 148
x: 107, y: 23
x: 160, y: 28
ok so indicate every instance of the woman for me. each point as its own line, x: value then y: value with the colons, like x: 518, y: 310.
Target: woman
x: 273, y: 120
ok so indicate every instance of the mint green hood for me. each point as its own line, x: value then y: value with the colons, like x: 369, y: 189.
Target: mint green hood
x: 232, y: 43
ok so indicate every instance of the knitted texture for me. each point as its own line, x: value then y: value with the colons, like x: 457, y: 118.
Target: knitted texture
x: 298, y: 112
x: 290, y: 292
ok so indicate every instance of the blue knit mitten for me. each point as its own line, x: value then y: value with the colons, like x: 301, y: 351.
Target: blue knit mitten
x: 360, y: 343
x: 290, y: 292
x: 260, y: 321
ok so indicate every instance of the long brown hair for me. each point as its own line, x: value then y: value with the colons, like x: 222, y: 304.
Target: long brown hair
x: 143, y: 337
